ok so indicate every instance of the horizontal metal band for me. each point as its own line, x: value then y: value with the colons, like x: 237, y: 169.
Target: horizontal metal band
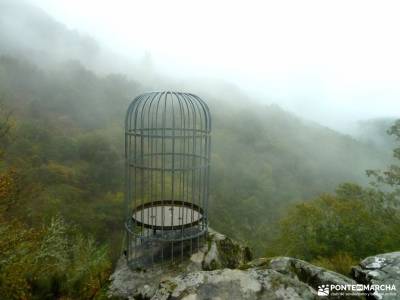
x: 141, y: 167
x: 163, y: 129
x: 160, y: 136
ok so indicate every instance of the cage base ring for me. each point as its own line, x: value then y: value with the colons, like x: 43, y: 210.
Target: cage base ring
x: 167, y: 215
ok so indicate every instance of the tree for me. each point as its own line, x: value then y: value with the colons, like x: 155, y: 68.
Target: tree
x: 353, y: 223
x: 328, y: 224
x: 5, y: 125
x: 350, y: 224
x: 391, y: 176
x: 50, y: 261
x: 55, y: 261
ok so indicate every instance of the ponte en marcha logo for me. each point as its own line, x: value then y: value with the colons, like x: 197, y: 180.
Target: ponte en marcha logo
x: 356, y: 289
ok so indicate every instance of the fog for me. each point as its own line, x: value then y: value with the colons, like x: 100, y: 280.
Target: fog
x: 330, y: 62
x: 301, y: 96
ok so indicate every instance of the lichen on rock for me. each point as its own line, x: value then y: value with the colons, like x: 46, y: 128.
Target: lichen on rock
x: 222, y: 269
x: 218, y: 253
x: 223, y: 252
x: 381, y: 269
x: 236, y: 284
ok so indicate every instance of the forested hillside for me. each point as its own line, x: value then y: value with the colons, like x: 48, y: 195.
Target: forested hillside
x: 62, y: 166
x: 67, y: 140
x: 28, y: 32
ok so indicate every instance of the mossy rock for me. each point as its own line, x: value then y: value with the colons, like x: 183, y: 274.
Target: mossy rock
x: 223, y: 252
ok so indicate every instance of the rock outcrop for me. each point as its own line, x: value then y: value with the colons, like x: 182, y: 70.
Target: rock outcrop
x: 307, y: 273
x: 382, y: 269
x: 223, y: 269
x: 219, y: 252
x: 234, y: 284
x: 223, y: 252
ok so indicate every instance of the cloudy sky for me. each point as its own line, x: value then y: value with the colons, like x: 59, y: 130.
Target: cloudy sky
x: 330, y: 61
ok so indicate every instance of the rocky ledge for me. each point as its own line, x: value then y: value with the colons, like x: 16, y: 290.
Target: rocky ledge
x: 381, y: 269
x: 223, y: 269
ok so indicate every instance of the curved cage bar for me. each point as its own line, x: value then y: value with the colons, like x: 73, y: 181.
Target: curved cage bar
x: 167, y: 162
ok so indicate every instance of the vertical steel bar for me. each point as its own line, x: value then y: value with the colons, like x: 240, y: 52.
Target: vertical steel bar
x: 181, y: 173
x: 173, y: 171
x: 163, y: 151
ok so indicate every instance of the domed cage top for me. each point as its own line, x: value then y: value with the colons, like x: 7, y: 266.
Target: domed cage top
x: 167, y: 154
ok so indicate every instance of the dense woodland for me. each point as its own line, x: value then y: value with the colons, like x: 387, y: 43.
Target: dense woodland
x: 278, y: 182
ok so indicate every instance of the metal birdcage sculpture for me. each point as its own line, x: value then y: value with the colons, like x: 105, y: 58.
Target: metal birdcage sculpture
x: 167, y: 154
